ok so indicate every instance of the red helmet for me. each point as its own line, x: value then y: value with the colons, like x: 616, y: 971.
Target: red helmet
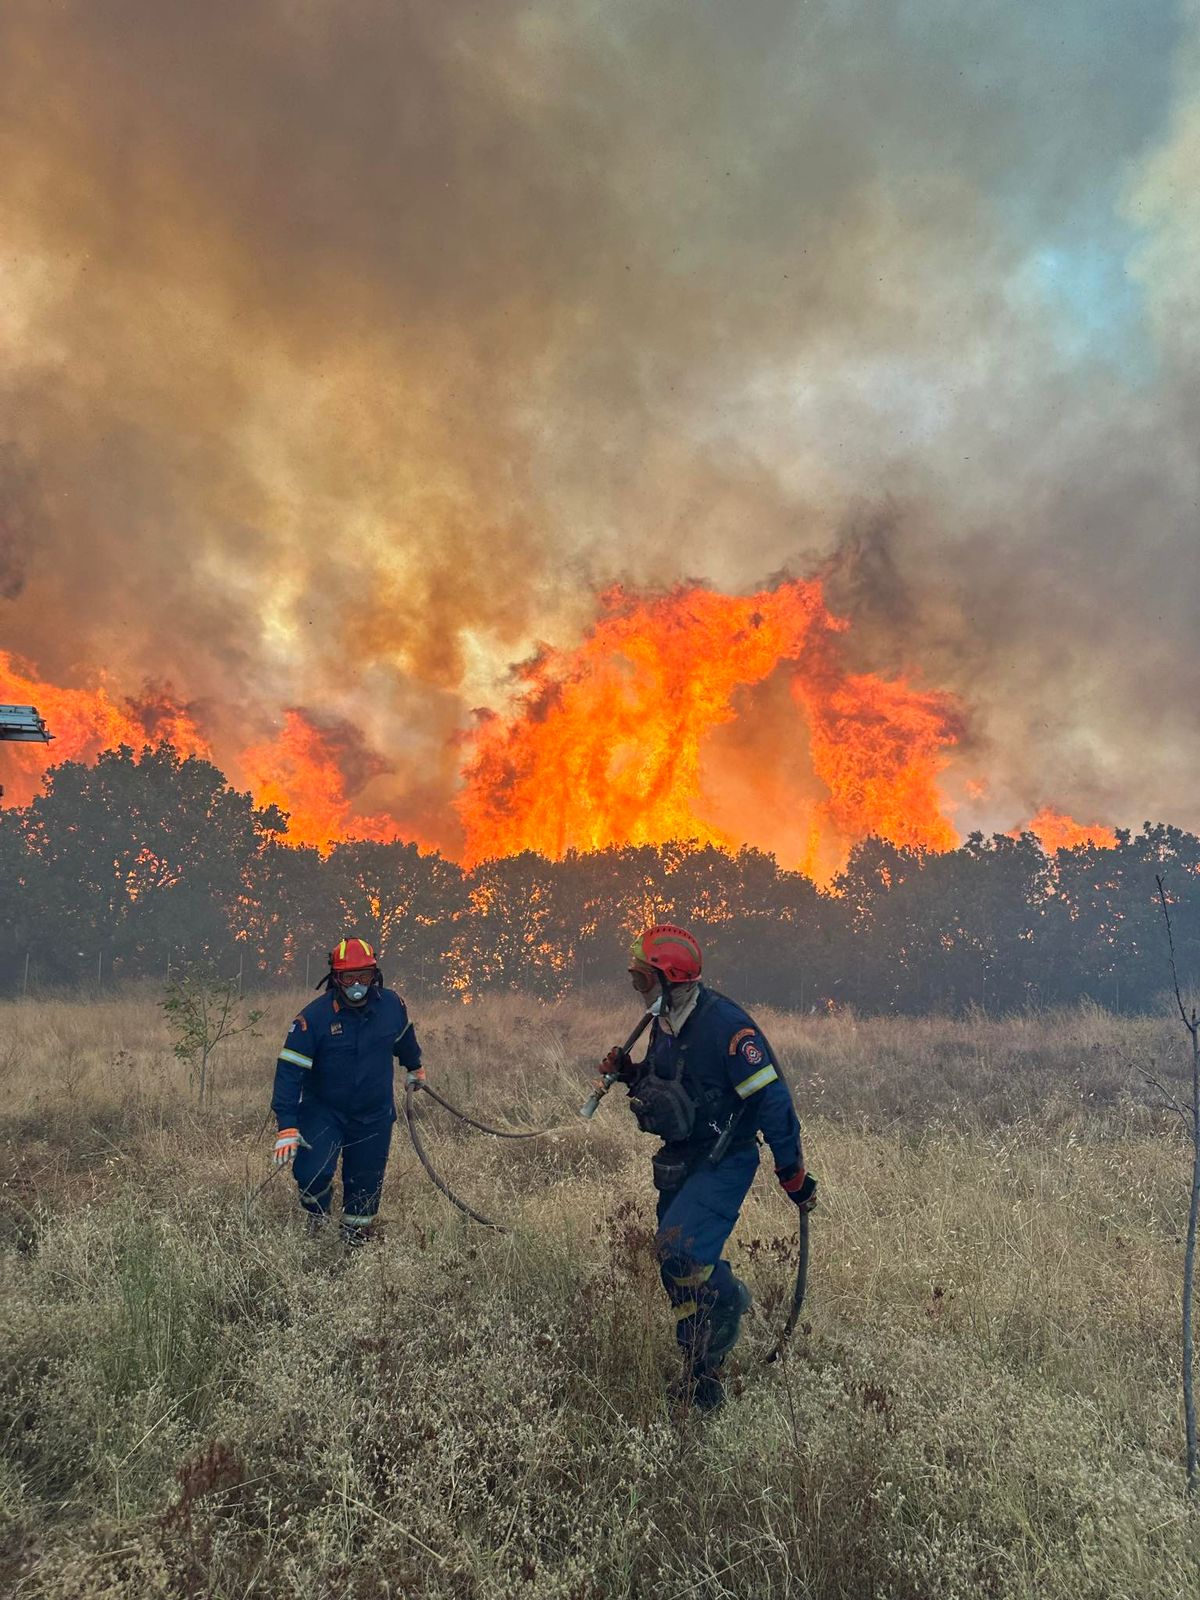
x: 669, y: 950
x: 351, y: 955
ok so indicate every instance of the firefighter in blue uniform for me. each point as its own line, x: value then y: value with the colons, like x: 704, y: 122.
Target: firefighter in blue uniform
x: 334, y: 1094
x: 709, y: 1085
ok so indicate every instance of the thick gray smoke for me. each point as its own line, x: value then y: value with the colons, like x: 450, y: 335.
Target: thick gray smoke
x: 348, y: 350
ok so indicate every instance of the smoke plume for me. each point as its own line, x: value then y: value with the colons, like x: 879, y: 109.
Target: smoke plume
x: 350, y: 352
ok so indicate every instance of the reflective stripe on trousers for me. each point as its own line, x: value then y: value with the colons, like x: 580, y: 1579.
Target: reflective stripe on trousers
x: 694, y: 1223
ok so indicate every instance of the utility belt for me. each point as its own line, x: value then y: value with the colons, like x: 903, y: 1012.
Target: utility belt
x: 673, y: 1165
x: 663, y: 1107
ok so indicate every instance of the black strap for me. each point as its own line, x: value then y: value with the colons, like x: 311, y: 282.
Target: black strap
x: 709, y: 999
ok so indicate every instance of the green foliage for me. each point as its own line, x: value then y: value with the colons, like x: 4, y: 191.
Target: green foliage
x: 145, y: 863
x: 402, y: 901
x: 205, y: 1011
x: 139, y: 857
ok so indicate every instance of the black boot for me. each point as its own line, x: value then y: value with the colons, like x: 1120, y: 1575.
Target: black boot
x: 699, y: 1391
x: 725, y: 1325
x: 699, y: 1386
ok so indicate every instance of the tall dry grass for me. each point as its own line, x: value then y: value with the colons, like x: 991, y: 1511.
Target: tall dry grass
x: 982, y: 1400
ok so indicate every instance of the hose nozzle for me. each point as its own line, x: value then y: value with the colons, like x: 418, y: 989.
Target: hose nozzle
x: 588, y: 1109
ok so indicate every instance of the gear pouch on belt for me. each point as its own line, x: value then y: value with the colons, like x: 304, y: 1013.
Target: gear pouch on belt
x: 663, y: 1107
x: 669, y: 1172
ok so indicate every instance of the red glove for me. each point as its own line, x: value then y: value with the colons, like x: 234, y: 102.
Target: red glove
x: 799, y: 1186
x: 617, y: 1064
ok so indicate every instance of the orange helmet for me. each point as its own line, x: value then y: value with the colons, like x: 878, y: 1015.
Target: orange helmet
x: 669, y: 950
x: 351, y: 955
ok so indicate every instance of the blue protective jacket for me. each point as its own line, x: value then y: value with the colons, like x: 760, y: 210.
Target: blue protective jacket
x: 729, y: 1067
x: 342, y: 1056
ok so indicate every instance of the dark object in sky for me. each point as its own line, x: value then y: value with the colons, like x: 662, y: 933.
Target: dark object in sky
x: 23, y: 723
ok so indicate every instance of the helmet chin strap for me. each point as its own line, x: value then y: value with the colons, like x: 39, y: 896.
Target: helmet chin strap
x: 664, y: 992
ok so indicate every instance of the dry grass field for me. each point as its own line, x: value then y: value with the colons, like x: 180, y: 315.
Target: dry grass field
x: 983, y: 1399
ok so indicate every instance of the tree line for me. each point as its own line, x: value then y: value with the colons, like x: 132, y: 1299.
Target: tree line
x: 149, y: 862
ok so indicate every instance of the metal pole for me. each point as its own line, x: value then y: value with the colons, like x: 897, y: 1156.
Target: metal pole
x: 25, y: 980
x: 241, y: 959
x: 99, y: 967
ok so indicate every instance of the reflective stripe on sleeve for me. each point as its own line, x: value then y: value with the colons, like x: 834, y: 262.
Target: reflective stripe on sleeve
x: 756, y: 1080
x: 295, y: 1058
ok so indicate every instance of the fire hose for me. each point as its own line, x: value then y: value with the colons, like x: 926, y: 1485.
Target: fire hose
x: 606, y: 1082
x: 797, y: 1293
x: 439, y: 1182
x: 587, y: 1110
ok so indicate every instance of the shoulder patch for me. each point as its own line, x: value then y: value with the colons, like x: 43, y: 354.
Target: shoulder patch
x: 301, y: 1023
x: 751, y: 1052
x: 742, y: 1033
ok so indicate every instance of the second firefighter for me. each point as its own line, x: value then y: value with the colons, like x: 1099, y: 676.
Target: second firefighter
x: 709, y: 1085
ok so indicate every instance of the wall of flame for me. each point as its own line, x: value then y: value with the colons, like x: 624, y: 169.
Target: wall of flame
x: 353, y: 358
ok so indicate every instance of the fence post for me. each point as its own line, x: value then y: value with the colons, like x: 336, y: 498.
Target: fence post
x: 99, y: 968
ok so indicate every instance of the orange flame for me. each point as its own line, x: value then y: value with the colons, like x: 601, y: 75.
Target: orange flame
x: 610, y: 743
x: 1057, y: 831
x: 725, y: 719
x: 86, y: 721
x: 302, y: 771
x: 878, y: 747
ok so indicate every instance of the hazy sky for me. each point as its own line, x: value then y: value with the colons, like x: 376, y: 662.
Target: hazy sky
x: 349, y: 349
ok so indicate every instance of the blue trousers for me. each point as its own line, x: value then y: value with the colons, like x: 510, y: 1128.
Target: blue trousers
x: 694, y: 1222
x: 363, y: 1149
